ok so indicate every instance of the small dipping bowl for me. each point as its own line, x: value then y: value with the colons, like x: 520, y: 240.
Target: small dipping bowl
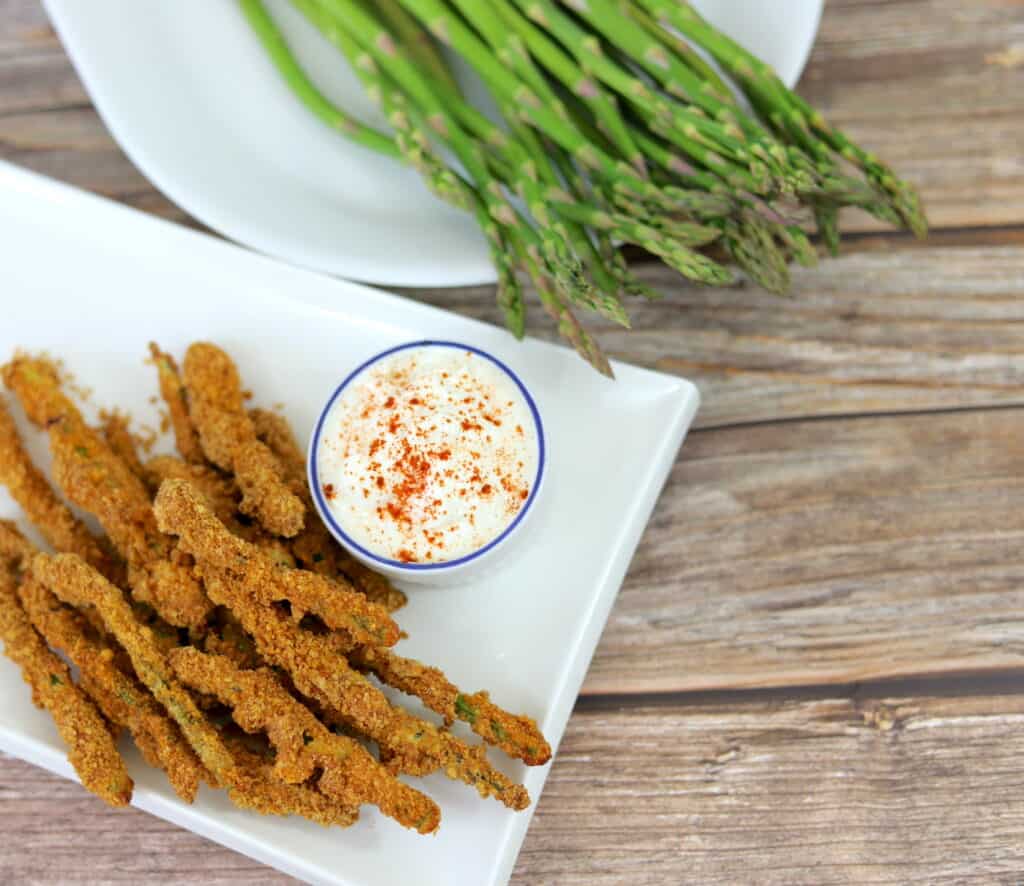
x: 427, y: 460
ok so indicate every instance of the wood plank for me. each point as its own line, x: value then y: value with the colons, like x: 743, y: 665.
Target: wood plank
x: 833, y: 790
x: 42, y: 81
x: 73, y: 145
x: 934, y: 87
x: 24, y: 28
x: 951, y: 119
x: 827, y: 551
x: 879, y: 332
x: 56, y: 832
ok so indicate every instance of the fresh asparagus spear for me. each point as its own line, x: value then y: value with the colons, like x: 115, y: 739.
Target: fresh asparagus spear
x: 273, y: 41
x: 616, y: 129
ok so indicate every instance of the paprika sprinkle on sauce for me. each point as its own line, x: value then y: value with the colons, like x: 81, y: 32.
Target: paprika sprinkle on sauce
x: 429, y: 453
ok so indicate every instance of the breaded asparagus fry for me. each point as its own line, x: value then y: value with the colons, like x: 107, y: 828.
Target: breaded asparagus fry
x: 319, y: 671
x: 221, y: 494
x: 74, y: 582
x: 229, y: 441
x: 219, y: 490
x: 228, y: 638
x: 91, y: 748
x: 172, y: 389
x: 273, y: 429
x: 349, y: 773
x: 14, y: 547
x: 315, y: 547
x: 296, y: 799
x: 517, y: 735
x: 119, y: 439
x: 181, y: 512
x: 121, y: 698
x: 97, y: 480
x: 45, y: 511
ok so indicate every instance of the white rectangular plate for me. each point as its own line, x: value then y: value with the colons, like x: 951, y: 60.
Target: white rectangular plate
x: 93, y: 282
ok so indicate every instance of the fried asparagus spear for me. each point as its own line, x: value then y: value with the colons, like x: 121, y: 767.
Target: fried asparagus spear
x: 517, y: 735
x: 118, y: 437
x: 228, y: 439
x: 97, y: 480
x: 14, y: 547
x: 75, y: 582
x: 227, y: 637
x: 181, y: 511
x: 316, y: 662
x: 91, y: 747
x: 315, y: 547
x: 348, y: 772
x: 122, y: 699
x: 222, y: 495
x: 175, y: 396
x: 45, y: 511
x: 298, y: 799
x: 320, y: 672
x: 219, y: 490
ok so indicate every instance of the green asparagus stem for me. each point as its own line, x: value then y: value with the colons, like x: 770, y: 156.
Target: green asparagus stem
x: 615, y: 130
x: 546, y: 249
x: 507, y: 21
x: 273, y: 41
x: 416, y: 148
x: 789, y: 112
x: 601, y: 297
x: 417, y: 41
x: 685, y: 53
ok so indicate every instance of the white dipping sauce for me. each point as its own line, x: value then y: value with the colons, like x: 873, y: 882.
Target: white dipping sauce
x: 428, y: 455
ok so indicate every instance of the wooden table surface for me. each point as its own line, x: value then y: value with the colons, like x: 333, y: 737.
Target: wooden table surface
x: 815, y: 669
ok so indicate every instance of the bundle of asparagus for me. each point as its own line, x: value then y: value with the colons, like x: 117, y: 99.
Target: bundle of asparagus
x: 616, y: 131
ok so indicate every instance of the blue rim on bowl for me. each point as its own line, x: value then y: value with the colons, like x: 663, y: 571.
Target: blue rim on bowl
x: 313, y: 469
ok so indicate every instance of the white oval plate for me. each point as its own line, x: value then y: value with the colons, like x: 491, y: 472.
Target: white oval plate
x: 190, y: 96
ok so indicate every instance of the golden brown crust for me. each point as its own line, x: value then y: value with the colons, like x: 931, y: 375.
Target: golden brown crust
x: 175, y: 396
x: 30, y: 489
x: 226, y: 434
x: 180, y: 511
x: 273, y: 429
x: 287, y: 649
x: 348, y: 773
x: 118, y: 436
x: 315, y: 547
x: 517, y: 735
x: 227, y: 637
x: 120, y: 696
x: 218, y: 489
x: 91, y: 747
x: 273, y: 797
x: 73, y: 581
x: 14, y: 547
x: 317, y: 667
x: 97, y: 480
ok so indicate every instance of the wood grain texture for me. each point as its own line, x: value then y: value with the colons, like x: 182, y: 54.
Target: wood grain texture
x: 823, y: 791
x: 872, y: 332
x: 821, y: 551
x: 59, y: 833
x: 932, y: 86
x: 834, y: 791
